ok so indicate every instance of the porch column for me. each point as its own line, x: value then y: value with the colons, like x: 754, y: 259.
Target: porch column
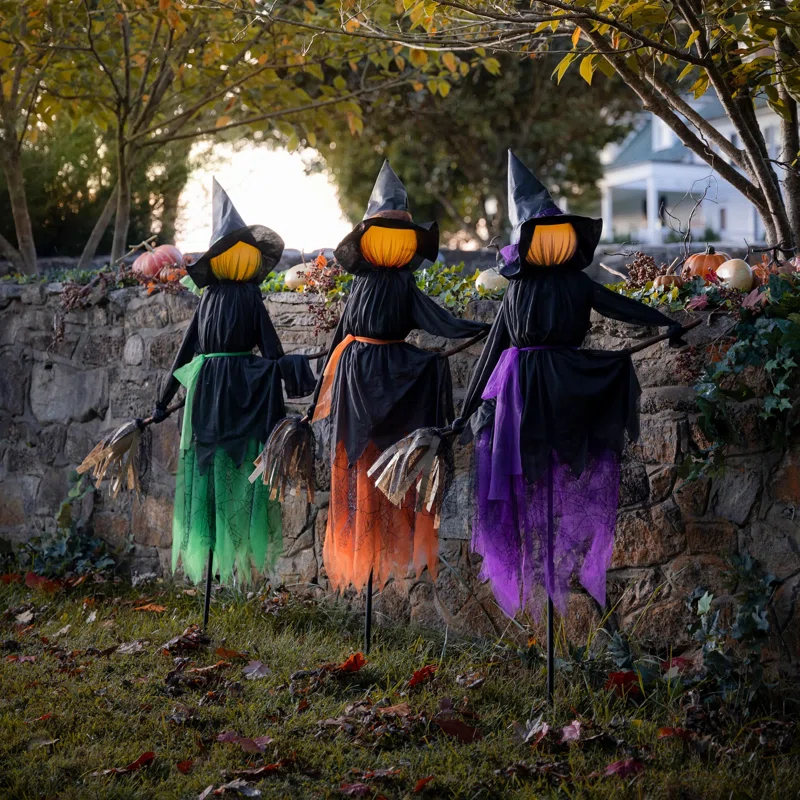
x: 607, y: 211
x: 653, y: 220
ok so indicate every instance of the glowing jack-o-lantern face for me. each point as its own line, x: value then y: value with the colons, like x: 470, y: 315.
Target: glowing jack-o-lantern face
x: 388, y: 247
x: 552, y: 245
x: 240, y: 262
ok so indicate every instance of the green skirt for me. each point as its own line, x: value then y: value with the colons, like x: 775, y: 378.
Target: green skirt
x: 222, y: 511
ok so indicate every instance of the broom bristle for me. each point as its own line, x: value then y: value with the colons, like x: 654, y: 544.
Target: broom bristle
x: 419, y: 459
x: 287, y: 461
x: 118, y: 456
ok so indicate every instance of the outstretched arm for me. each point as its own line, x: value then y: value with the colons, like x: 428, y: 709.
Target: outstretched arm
x: 298, y: 379
x: 617, y: 306
x: 498, y: 341
x: 338, y: 335
x: 431, y: 317
x: 186, y: 353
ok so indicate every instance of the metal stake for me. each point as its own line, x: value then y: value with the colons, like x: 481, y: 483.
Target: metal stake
x: 368, y: 616
x: 209, y: 577
x: 550, y: 632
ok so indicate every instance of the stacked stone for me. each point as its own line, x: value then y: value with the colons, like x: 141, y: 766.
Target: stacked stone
x: 56, y: 402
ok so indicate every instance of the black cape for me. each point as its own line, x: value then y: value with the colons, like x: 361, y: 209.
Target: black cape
x: 575, y: 402
x: 383, y: 392
x: 239, y: 398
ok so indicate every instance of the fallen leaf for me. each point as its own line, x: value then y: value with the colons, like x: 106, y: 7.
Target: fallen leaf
x: 185, y: 767
x: 471, y: 680
x: 422, y: 783
x: 257, y: 745
x: 190, y: 592
x: 25, y: 618
x: 36, y: 744
x: 11, y: 577
x: 679, y: 733
x: 228, y: 736
x: 625, y: 768
x: 191, y: 639
x: 303, y: 705
x: 376, y: 774
x: 132, y: 647
x: 63, y: 632
x: 255, y: 670
x: 33, y: 581
x: 422, y: 675
x: 237, y: 786
x: 400, y: 710
x: 232, y: 655
x: 153, y: 608
x: 571, y: 733
x: 457, y: 729
x: 257, y: 773
x: 355, y: 789
x: 144, y: 760
x: 623, y: 683
x: 43, y: 718
x: 92, y: 617
x: 353, y: 663
x: 532, y: 732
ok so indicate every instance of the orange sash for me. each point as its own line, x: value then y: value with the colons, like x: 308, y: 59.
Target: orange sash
x: 323, y: 407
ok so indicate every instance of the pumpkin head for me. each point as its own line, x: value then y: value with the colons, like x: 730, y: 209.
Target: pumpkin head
x: 388, y: 247
x: 701, y: 265
x: 552, y: 244
x: 239, y: 262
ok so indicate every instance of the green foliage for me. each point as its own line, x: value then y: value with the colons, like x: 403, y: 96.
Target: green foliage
x: 72, y: 549
x: 451, y: 151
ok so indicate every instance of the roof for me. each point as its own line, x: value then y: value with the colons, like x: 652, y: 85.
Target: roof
x: 639, y: 149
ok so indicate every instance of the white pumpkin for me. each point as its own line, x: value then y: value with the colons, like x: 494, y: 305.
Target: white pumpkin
x: 736, y: 274
x: 491, y: 280
x: 295, y: 277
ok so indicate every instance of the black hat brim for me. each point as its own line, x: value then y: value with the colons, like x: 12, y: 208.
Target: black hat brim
x: 259, y: 236
x: 348, y: 251
x: 588, y: 231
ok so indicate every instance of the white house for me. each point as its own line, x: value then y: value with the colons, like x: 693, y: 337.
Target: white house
x: 651, y: 176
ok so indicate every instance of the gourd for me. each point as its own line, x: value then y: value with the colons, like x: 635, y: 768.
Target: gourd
x: 490, y: 280
x: 736, y: 274
x: 701, y: 265
x: 295, y: 277
x: 665, y: 281
x: 150, y: 263
x: 388, y: 247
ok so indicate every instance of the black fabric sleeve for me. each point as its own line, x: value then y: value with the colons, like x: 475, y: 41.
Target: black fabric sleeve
x: 338, y: 335
x: 431, y: 317
x: 298, y: 379
x: 267, y: 339
x: 186, y: 352
x: 498, y: 341
x: 624, y: 309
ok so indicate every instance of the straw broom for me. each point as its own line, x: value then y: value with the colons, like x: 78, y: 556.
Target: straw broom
x: 117, y: 455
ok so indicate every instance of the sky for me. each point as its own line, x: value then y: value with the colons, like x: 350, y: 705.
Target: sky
x: 268, y: 187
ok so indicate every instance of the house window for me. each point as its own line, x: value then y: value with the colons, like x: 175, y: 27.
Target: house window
x: 663, y: 137
x: 769, y: 140
x: 723, y: 219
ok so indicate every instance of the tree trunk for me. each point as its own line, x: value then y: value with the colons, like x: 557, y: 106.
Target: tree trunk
x: 169, y: 213
x: 12, y: 167
x: 11, y: 254
x: 123, y: 214
x: 100, y: 227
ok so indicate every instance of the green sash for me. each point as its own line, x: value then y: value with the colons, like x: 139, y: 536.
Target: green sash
x: 188, y: 375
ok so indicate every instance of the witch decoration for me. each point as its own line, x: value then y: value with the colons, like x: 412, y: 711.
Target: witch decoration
x: 548, y: 417
x: 234, y: 398
x: 376, y: 387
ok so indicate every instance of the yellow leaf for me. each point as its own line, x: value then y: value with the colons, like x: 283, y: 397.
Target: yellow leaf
x: 492, y: 66
x: 352, y: 24
x: 692, y: 39
x: 310, y: 6
x: 685, y: 71
x: 417, y: 86
x: 587, y: 69
x: 444, y: 88
x: 419, y: 58
x: 562, y: 66
x: 463, y: 68
x: 450, y: 61
x: 400, y: 62
x: 432, y: 86
x: 222, y: 121
x: 163, y: 5
x: 576, y: 35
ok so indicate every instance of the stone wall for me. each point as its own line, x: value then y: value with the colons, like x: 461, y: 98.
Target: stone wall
x: 56, y: 399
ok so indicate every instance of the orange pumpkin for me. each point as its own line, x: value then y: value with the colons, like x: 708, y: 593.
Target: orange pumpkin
x: 150, y: 263
x: 552, y: 245
x: 701, y: 265
x: 388, y: 247
x: 666, y: 281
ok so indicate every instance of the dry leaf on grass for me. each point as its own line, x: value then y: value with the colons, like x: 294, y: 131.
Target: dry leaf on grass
x: 144, y: 760
x: 185, y: 767
x: 420, y: 785
x: 153, y: 608
x: 422, y: 675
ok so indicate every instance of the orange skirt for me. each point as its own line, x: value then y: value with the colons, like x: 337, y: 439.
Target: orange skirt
x: 366, y: 532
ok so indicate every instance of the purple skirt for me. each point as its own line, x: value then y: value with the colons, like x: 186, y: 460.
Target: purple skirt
x: 534, y: 538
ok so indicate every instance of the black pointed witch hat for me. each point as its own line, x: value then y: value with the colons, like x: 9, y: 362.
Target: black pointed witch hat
x: 387, y: 207
x: 228, y: 228
x: 530, y: 205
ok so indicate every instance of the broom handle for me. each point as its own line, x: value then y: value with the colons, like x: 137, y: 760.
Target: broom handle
x: 464, y: 345
x: 660, y: 338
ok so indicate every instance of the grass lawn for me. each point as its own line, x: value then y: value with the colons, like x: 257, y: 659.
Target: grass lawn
x: 86, y: 686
